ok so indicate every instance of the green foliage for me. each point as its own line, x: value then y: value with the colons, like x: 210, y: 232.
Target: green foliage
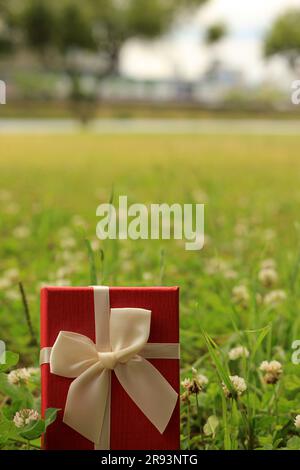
x: 50, y: 416
x: 33, y: 431
x: 39, y: 25
x: 92, y: 263
x: 15, y: 398
x: 284, y: 37
x: 11, y: 359
x: 293, y: 443
x: 148, y: 18
x: 215, y: 33
x: 102, y: 25
x: 74, y: 29
x: 210, y: 426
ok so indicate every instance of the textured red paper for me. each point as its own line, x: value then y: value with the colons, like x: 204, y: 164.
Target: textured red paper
x: 72, y: 309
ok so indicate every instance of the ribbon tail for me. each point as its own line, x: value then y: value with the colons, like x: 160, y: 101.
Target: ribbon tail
x: 87, y: 402
x: 104, y: 442
x: 149, y: 390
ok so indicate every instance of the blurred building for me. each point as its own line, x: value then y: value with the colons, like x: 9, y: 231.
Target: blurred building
x: 217, y: 82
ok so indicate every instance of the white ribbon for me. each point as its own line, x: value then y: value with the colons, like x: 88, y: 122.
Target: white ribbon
x: 121, y: 346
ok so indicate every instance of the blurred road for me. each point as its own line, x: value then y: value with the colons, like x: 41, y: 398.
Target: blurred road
x: 153, y: 126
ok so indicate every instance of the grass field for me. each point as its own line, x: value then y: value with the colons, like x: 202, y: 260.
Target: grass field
x: 50, y: 188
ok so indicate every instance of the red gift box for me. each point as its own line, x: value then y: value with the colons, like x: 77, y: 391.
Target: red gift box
x: 72, y: 309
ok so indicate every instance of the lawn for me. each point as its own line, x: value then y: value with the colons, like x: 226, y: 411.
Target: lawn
x: 242, y: 289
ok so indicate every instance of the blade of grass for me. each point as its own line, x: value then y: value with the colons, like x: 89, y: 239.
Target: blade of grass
x: 267, y: 329
x: 161, y: 267
x: 91, y: 257
x: 227, y: 440
x: 269, y: 345
x: 221, y: 369
x: 34, y: 341
x: 102, y: 257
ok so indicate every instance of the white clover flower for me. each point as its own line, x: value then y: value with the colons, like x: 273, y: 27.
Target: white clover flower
x: 274, y: 367
x: 65, y: 232
x: 238, y: 384
x: 21, y: 232
x: 70, y: 257
x: 79, y: 221
x: 268, y: 263
x: 95, y: 244
x: 219, y: 266
x: 241, y: 229
x: 33, y: 370
x: 12, y: 274
x: 297, y: 422
x: 238, y: 352
x: 25, y: 416
x: 269, y: 234
x: 186, y: 383
x: 274, y: 297
x: 9, y: 277
x: 268, y: 277
x: 62, y: 282
x: 201, y: 379
x: 196, y: 383
x: 64, y: 271
x: 20, y: 376
x: 147, y: 276
x: 5, y: 283
x: 67, y: 243
x: 215, y: 266
x: 272, y: 370
x: 240, y: 295
x: 230, y: 274
x: 12, y: 295
x: 199, y: 195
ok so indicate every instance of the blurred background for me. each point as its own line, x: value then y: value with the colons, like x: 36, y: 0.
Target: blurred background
x: 141, y: 58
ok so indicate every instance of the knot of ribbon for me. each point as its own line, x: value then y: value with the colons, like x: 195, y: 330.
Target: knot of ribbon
x: 108, y: 360
x: 123, y: 349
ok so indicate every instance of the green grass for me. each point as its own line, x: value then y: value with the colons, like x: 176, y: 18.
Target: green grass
x: 250, y: 185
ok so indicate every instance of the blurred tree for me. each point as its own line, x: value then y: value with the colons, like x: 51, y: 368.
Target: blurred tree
x: 75, y: 29
x: 75, y: 34
x: 6, y: 32
x: 215, y: 33
x: 64, y: 30
x: 116, y: 21
x: 284, y: 38
x: 39, y: 26
x: 97, y: 25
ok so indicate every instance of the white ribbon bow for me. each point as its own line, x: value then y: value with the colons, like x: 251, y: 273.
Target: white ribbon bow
x: 76, y: 356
